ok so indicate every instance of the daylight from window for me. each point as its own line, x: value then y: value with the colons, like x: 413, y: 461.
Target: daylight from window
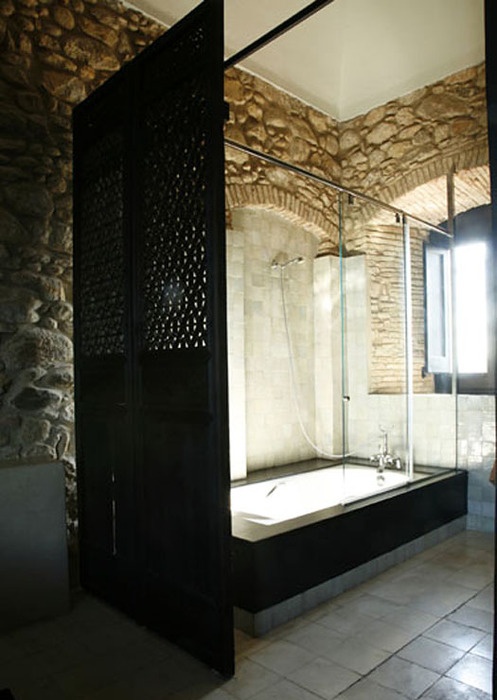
x: 471, y: 308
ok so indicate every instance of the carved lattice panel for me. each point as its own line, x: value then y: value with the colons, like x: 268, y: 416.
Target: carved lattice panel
x: 174, y: 277
x: 101, y: 248
x: 149, y: 284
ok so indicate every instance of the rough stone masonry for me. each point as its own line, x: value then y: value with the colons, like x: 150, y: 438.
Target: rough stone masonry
x: 53, y: 53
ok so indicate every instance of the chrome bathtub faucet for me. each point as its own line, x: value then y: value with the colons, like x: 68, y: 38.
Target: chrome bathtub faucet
x: 384, y: 459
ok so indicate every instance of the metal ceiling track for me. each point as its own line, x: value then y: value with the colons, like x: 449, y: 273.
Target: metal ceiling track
x: 273, y: 34
x: 297, y: 170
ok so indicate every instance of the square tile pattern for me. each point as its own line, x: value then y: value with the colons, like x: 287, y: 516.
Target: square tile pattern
x: 422, y: 629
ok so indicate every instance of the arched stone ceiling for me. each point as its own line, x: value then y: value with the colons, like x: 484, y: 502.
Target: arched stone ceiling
x: 429, y: 201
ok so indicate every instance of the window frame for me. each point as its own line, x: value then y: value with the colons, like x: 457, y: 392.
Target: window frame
x: 470, y: 226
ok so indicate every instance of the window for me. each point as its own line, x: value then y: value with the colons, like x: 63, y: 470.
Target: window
x: 438, y: 305
x: 472, y: 316
x: 471, y: 308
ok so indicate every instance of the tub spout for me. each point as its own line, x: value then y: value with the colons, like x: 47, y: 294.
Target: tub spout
x: 384, y: 458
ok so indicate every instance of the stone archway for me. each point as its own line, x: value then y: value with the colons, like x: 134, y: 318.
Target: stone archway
x: 375, y: 233
x: 423, y: 192
x: 291, y: 204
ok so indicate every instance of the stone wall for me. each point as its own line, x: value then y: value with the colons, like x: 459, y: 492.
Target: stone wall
x: 385, y: 153
x: 384, y: 250
x: 273, y: 122
x: 53, y: 54
x: 416, y: 138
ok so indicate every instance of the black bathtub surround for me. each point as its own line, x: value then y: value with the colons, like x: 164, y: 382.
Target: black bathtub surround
x: 275, y: 563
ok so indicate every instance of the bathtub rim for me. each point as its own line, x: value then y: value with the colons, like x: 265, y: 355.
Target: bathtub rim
x: 251, y: 531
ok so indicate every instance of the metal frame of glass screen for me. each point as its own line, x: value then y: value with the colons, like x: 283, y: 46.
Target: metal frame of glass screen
x: 404, y: 218
x: 401, y: 215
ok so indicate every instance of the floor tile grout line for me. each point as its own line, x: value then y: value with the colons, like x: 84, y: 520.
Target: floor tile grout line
x: 418, y: 636
x: 421, y: 634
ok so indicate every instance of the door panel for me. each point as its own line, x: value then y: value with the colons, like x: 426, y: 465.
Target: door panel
x: 102, y: 362
x: 152, y: 397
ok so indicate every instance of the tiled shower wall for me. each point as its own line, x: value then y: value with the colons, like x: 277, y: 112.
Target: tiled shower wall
x: 264, y: 421
x: 259, y: 359
x: 476, y: 453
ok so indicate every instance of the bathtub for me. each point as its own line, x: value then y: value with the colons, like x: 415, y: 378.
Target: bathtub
x: 279, y: 500
x: 301, y: 539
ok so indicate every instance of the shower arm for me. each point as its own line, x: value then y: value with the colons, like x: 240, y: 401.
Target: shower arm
x: 276, y: 264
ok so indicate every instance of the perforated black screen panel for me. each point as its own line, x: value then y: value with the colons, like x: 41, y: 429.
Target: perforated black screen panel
x: 101, y: 296
x: 174, y: 271
x: 150, y: 331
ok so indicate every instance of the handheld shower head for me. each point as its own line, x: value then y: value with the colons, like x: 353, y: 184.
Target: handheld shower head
x: 281, y: 265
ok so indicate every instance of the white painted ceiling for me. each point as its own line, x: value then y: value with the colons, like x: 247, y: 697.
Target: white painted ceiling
x: 354, y: 54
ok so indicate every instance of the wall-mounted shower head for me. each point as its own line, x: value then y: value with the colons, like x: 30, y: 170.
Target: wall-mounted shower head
x: 277, y: 263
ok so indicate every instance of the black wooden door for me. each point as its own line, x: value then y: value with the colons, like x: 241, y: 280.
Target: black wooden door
x: 152, y: 426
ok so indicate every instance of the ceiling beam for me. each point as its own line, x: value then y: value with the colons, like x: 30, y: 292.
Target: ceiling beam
x: 273, y: 34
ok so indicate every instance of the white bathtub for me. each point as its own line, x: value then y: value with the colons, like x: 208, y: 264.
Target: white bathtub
x: 277, y: 500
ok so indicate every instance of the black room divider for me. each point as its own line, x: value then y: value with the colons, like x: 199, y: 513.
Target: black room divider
x: 150, y: 340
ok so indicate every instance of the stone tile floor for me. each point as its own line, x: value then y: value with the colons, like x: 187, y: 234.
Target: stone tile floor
x: 422, y: 629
